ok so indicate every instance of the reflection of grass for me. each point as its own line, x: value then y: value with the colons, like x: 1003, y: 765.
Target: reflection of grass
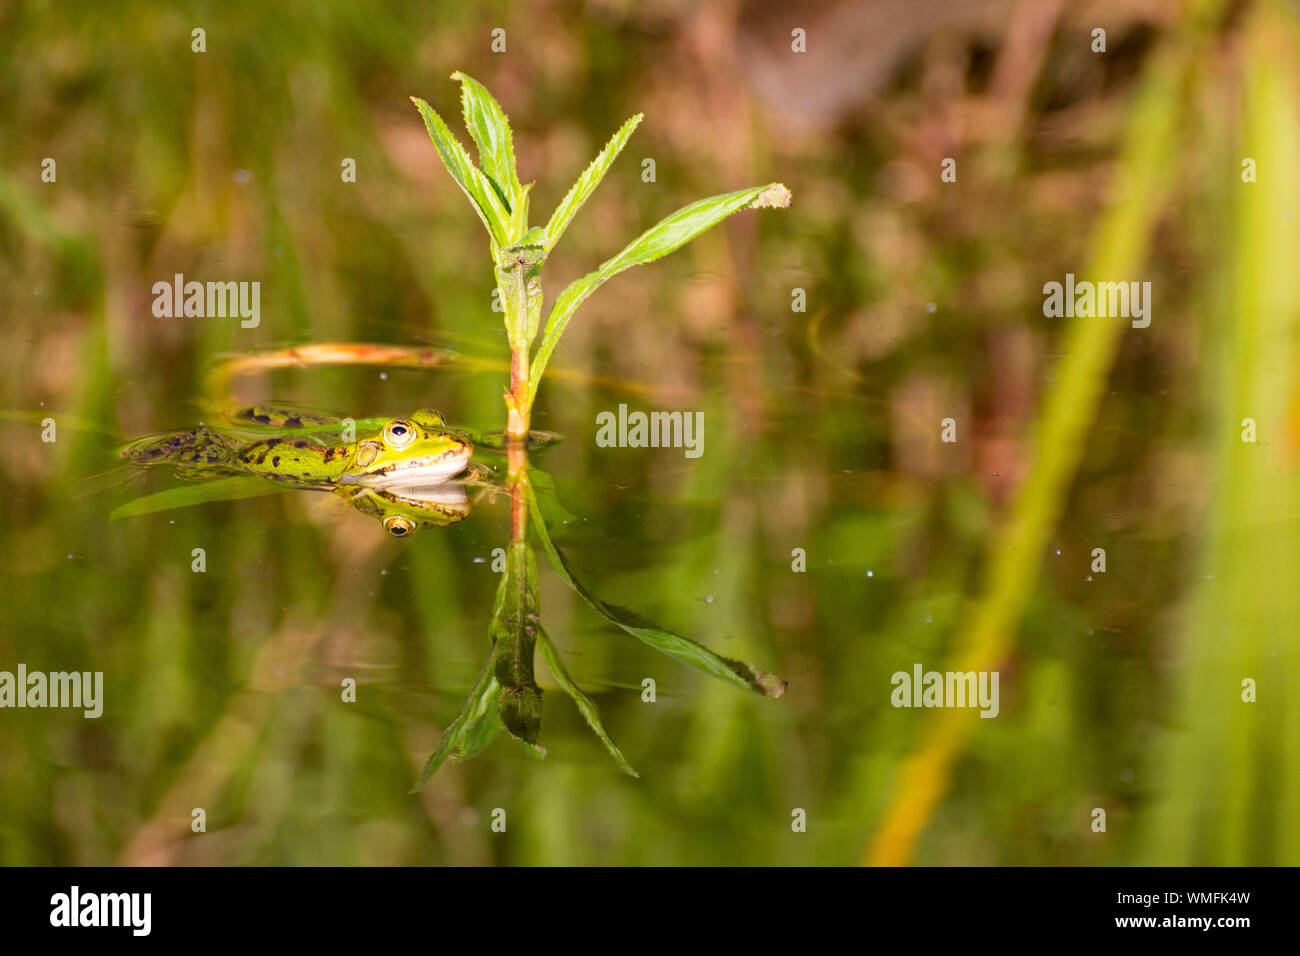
x: 1059, y: 441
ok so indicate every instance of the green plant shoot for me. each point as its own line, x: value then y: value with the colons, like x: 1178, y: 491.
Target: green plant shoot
x: 519, y: 250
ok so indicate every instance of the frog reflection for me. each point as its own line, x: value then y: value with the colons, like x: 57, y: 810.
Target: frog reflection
x: 403, y: 510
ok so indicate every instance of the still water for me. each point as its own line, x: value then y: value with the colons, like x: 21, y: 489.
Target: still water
x: 282, y: 665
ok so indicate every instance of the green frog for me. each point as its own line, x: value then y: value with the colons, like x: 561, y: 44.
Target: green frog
x: 307, y: 449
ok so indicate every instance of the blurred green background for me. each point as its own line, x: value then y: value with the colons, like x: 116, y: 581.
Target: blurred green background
x: 1119, y: 690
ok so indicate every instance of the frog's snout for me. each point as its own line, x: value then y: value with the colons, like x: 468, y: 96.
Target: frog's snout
x: 442, y: 466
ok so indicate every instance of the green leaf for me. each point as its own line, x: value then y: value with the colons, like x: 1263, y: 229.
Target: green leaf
x: 587, y: 182
x: 519, y: 218
x: 488, y: 125
x: 535, y: 751
x: 683, y: 649
x: 670, y: 234
x: 481, y: 730
x: 223, y: 489
x: 585, y: 704
x: 472, y: 180
x: 469, y: 732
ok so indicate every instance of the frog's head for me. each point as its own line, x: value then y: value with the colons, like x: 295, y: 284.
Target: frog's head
x: 408, y: 451
x: 405, y: 509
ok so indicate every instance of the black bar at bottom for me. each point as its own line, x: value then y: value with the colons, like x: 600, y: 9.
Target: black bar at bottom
x: 746, y: 905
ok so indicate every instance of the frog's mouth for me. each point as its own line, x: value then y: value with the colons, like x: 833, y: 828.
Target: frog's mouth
x: 420, y: 470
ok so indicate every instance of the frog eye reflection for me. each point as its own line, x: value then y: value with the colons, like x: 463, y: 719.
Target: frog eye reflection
x: 399, y: 526
x: 399, y: 433
x: 367, y: 453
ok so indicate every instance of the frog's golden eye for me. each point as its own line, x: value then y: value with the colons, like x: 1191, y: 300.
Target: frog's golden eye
x: 399, y: 433
x: 399, y: 526
x: 367, y: 453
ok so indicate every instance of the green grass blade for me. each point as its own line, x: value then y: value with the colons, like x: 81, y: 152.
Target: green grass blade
x: 683, y: 649
x: 655, y: 243
x: 588, y: 181
x: 488, y: 125
x: 586, y: 706
x: 1229, y: 771
x: 469, y: 177
x: 223, y: 489
x: 1060, y: 437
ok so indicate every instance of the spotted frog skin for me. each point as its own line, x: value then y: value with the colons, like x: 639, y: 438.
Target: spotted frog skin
x: 307, y: 450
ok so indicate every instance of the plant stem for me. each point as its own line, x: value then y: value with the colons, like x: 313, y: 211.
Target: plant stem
x: 518, y: 274
x: 517, y: 405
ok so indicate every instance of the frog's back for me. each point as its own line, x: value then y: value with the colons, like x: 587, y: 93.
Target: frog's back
x: 197, y: 446
x: 294, y: 458
x: 278, y: 417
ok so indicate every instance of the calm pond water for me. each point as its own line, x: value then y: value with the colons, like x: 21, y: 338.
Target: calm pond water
x: 794, y: 541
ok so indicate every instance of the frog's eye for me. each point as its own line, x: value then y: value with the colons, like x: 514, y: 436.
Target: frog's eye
x: 399, y: 433
x: 399, y: 526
